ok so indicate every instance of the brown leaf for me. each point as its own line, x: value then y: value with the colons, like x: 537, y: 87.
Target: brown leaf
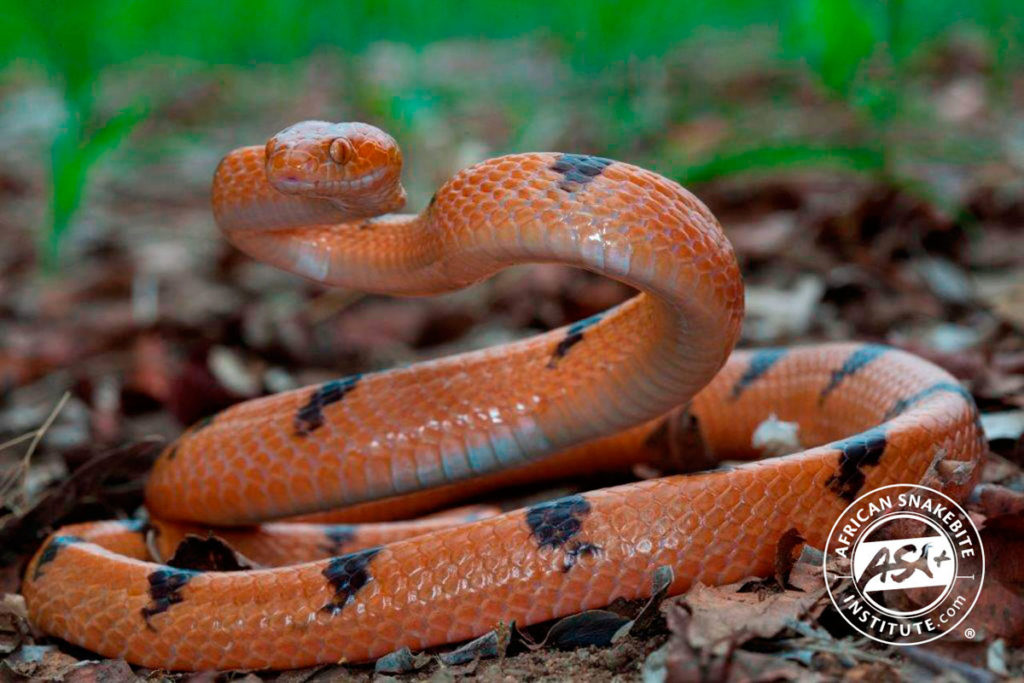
x: 999, y: 612
x: 677, y: 446
x: 786, y: 553
x: 724, y: 614
x: 682, y: 661
x: 993, y: 500
x: 208, y: 554
x: 649, y: 617
x: 19, y: 535
x: 106, y: 671
x: 14, y: 625
x: 40, y: 663
x: 593, y: 627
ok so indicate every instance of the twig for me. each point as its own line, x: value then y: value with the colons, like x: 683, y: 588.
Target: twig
x: 20, y: 534
x: 16, y: 440
x: 819, y: 640
x: 45, y: 426
x: 16, y: 478
x: 938, y: 664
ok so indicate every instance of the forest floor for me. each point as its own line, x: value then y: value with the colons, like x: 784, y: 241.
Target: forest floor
x: 153, y: 321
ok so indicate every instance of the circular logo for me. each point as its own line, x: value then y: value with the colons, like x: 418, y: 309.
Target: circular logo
x: 904, y: 564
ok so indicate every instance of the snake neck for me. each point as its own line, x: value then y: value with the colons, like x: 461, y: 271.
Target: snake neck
x: 342, y: 242
x: 590, y: 379
x: 609, y: 217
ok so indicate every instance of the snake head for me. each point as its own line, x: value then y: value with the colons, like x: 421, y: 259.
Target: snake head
x: 356, y: 166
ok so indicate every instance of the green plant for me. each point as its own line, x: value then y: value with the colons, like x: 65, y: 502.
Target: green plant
x: 66, y: 37
x: 75, y: 150
x: 857, y: 51
x: 834, y: 38
x: 784, y: 156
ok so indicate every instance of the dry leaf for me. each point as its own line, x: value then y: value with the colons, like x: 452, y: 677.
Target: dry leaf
x: 722, y: 614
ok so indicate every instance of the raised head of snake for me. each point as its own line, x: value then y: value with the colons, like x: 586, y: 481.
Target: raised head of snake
x: 356, y: 166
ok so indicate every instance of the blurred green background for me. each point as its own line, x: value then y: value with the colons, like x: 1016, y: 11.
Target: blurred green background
x: 147, y: 95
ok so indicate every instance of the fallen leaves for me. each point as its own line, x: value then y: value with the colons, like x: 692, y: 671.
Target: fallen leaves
x: 105, y: 671
x: 758, y: 629
x: 47, y: 663
x: 999, y: 612
x: 1004, y: 295
x: 14, y: 626
x: 20, y: 533
x: 723, y: 614
x: 40, y: 663
x: 599, y: 628
x: 208, y: 554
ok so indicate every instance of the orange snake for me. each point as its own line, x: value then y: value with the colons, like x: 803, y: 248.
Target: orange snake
x: 596, y: 395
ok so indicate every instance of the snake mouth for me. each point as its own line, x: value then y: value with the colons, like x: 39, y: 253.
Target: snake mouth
x: 292, y: 185
x: 329, y: 188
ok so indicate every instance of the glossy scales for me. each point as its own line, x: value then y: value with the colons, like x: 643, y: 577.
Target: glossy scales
x: 584, y: 398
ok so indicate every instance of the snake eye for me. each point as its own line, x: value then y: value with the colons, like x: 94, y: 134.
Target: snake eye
x: 341, y: 150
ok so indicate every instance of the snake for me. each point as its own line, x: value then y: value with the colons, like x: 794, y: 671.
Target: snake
x: 320, y: 478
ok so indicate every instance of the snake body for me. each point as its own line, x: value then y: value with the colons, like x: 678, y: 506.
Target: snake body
x: 317, y: 200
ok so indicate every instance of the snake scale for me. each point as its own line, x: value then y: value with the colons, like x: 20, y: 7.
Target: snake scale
x: 319, y: 200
